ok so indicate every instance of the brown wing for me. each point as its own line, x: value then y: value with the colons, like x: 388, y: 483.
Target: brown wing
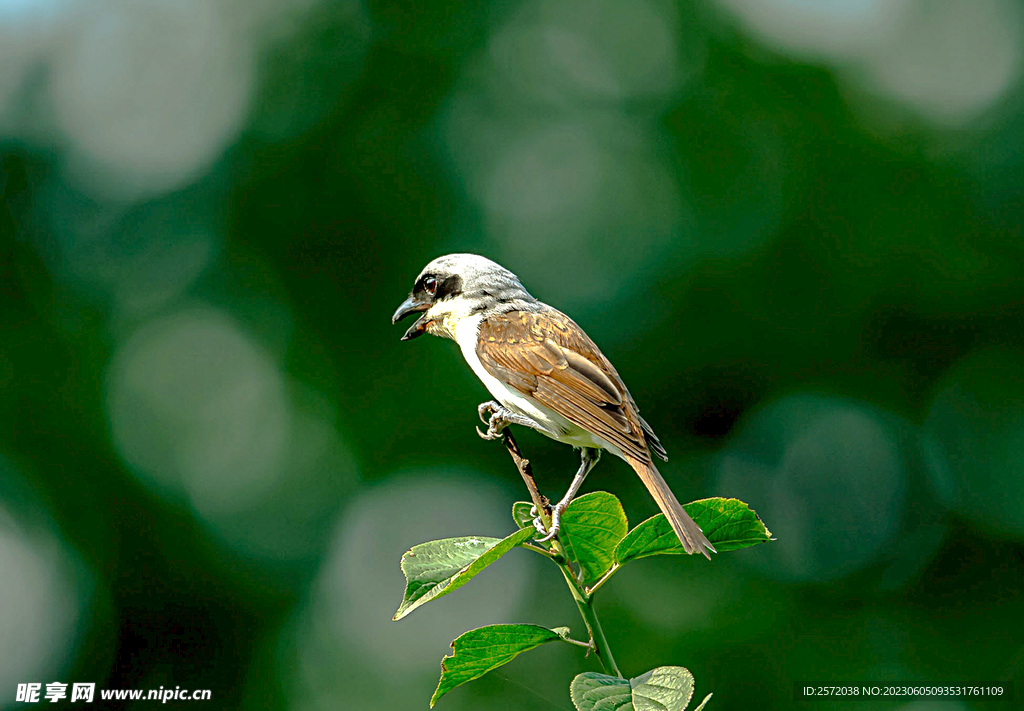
x: 545, y: 355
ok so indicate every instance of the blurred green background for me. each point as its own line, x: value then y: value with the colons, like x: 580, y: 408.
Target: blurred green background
x: 794, y: 226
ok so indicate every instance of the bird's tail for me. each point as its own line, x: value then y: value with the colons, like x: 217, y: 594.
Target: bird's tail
x: 690, y: 535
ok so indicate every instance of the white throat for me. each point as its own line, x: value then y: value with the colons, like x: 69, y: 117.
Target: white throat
x: 448, y: 316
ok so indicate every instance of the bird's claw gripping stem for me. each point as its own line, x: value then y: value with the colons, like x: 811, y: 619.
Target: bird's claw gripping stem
x: 497, y: 418
x: 485, y: 408
x: 496, y: 423
x: 556, y: 521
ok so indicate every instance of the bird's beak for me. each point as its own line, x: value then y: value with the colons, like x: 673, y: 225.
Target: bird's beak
x: 410, y: 306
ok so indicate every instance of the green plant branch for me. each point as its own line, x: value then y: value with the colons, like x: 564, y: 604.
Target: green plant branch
x: 585, y: 604
x: 537, y: 549
x: 601, y: 648
x: 583, y: 598
x: 604, y: 578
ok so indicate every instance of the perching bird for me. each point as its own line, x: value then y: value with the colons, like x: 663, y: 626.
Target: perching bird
x: 545, y: 373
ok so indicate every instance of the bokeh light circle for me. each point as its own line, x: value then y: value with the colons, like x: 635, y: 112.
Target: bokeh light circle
x: 566, y: 51
x: 953, y: 61
x: 830, y: 477
x: 833, y: 29
x: 345, y: 639
x: 589, y: 191
x: 28, y: 31
x: 976, y: 427
x: 196, y: 406
x: 292, y: 518
x: 149, y: 94
x: 45, y: 590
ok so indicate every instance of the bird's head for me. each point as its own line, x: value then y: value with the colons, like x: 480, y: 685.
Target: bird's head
x: 455, y: 286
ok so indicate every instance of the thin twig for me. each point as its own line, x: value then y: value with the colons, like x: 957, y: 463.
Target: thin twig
x: 586, y: 645
x: 526, y: 471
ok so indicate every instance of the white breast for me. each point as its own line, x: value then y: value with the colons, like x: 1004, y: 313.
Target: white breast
x: 549, y: 422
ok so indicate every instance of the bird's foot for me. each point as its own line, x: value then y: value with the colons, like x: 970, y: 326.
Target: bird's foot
x: 538, y: 524
x: 496, y: 417
x: 485, y: 409
x: 556, y: 521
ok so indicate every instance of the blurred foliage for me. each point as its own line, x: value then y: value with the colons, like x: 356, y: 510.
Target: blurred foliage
x: 795, y: 228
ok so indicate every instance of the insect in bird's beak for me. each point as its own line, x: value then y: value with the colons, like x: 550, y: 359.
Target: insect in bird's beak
x: 414, y: 304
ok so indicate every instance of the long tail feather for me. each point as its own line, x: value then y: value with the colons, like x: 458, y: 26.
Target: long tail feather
x: 690, y: 535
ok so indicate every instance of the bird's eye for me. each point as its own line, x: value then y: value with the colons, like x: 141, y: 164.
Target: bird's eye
x: 430, y: 284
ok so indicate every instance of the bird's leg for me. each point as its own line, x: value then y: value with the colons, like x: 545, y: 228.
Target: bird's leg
x: 499, y: 419
x: 589, y: 457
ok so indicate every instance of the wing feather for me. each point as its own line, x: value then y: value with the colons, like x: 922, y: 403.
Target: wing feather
x: 546, y: 356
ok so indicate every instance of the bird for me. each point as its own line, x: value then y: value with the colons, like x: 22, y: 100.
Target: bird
x: 544, y: 372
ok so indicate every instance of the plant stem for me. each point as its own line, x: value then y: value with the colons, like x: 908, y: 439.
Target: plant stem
x: 584, y: 600
x: 601, y: 648
x: 526, y: 471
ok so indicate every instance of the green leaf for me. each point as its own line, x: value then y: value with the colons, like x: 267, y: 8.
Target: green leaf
x: 592, y: 526
x: 521, y: 515
x: 481, y: 650
x: 437, y: 568
x: 728, y: 523
x: 661, y: 689
x: 591, y: 691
